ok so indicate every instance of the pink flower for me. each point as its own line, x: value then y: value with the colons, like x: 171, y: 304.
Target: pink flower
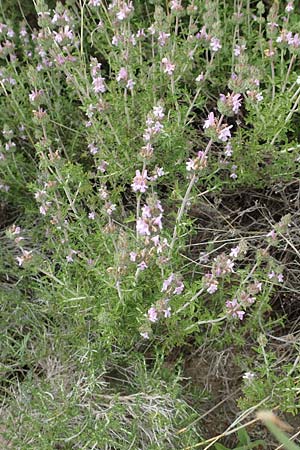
x: 210, y: 121
x: 103, y: 166
x: 158, y: 206
x: 95, y: 2
x: 115, y: 40
x: 142, y: 265
x: 103, y: 194
x: 200, y: 77
x: 167, y: 312
x: 157, y: 127
x: 258, y: 285
x: 140, y: 33
x: 152, y: 30
x: 249, y: 377
x: 295, y: 41
x: 175, y: 5
x: 20, y: 260
x: 26, y: 256
x: 160, y: 172
x: 132, y: 256
x: 142, y: 227
x: 155, y: 240
x: 122, y: 75
x: 246, y: 298
x: 224, y: 133
x: 44, y: 208
x: 222, y: 265
x: 254, y: 95
x: 272, y: 235
x: 64, y: 33
x: 109, y: 208
x: 157, y: 221
x: 178, y: 290
x: 35, y: 95
x: 93, y: 149
x: 162, y: 38
x: 233, y: 174
x: 228, y: 150
x: 139, y: 183
x: 211, y: 283
x: 98, y: 85
x: 199, y: 163
x: 168, y: 66
x: 158, y: 112
x: 167, y: 282
x: 69, y: 257
x: 146, y: 212
x: 202, y: 34
x: 238, y: 49
x: 125, y: 10
x: 145, y: 334
x: 233, y: 308
x: 190, y: 165
x: 236, y: 102
x: 280, y: 278
x: 271, y: 275
x: 235, y: 252
x: 230, y: 265
x: 130, y: 84
x: 152, y: 315
x: 215, y: 44
x: 92, y: 215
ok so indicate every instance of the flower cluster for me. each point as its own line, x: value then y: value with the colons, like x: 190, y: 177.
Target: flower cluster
x: 98, y: 81
x: 198, y: 163
x: 280, y: 228
x: 36, y: 96
x: 150, y: 221
x: 176, y: 6
x: 239, y: 251
x: 121, y: 9
x: 41, y: 197
x: 14, y: 232
x: 223, y: 265
x: 171, y: 286
x: 25, y: 257
x: 215, y: 130
x: 276, y: 275
x: 64, y: 36
x: 287, y: 39
x: 70, y: 255
x: 239, y: 50
x: 154, y: 127
x: 122, y: 78
x: 108, y: 206
x: 245, y: 80
x: 140, y: 180
x: 56, y: 38
x: 168, y: 66
x: 213, y: 42
x: 229, y: 104
x: 245, y: 298
x: 7, y: 148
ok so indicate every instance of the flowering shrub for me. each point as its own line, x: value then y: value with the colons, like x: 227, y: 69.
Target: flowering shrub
x: 143, y: 148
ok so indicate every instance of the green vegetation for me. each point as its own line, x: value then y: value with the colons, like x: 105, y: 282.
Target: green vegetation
x: 149, y: 222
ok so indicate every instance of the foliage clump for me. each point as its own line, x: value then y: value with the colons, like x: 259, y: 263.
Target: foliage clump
x: 149, y: 165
